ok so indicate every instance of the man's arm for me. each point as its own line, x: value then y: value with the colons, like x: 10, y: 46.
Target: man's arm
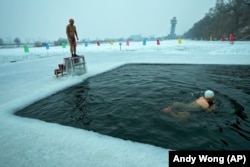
x: 76, y: 34
x: 67, y: 31
x: 211, y: 108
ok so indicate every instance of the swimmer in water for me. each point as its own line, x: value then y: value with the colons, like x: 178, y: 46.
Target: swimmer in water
x: 205, y: 102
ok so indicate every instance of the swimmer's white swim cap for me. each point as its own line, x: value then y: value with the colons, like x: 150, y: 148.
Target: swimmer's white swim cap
x: 209, y: 94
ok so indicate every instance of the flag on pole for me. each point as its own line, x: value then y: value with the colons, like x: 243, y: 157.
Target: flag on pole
x: 222, y: 37
x: 111, y: 42
x: 127, y: 42
x: 158, y: 42
x: 179, y: 40
x: 47, y: 46
x: 63, y: 45
x: 144, y: 41
x: 26, y: 48
x: 231, y: 38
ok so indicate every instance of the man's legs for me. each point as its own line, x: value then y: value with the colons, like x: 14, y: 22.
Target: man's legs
x: 74, y: 48
x: 178, y: 110
x: 72, y: 43
x: 71, y: 47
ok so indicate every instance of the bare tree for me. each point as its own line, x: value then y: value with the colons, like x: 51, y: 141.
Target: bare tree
x: 17, y: 41
x: 231, y: 16
x: 1, y: 41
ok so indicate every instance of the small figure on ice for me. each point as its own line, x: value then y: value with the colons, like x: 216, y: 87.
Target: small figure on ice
x: 71, y: 34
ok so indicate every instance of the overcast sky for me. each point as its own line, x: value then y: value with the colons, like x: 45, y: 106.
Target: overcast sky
x: 97, y: 19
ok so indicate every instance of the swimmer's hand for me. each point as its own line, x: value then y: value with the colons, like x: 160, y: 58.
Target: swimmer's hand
x: 167, y: 109
x: 212, y: 108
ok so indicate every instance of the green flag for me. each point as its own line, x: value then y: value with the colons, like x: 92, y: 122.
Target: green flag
x: 26, y: 48
x: 179, y: 40
x: 63, y: 45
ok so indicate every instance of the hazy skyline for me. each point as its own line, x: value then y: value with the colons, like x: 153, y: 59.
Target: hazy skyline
x: 97, y: 19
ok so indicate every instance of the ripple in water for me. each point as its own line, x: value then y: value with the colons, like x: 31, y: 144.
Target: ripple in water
x: 127, y: 103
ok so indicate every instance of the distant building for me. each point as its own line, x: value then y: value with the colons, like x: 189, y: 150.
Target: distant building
x: 135, y: 37
x: 151, y: 38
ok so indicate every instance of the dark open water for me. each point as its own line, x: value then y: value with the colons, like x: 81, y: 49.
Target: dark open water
x: 127, y: 103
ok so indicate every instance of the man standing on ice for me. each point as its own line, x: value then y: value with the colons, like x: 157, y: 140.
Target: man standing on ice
x: 71, y: 34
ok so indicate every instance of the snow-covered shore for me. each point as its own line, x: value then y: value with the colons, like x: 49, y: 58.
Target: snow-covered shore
x: 26, y: 78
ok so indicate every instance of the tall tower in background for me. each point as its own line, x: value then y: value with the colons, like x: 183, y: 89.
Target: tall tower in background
x: 173, y: 23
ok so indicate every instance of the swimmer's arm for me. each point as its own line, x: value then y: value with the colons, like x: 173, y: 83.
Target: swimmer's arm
x: 212, y: 108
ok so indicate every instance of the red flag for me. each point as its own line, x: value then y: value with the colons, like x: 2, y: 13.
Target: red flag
x: 222, y: 38
x: 158, y: 42
x: 231, y: 38
x: 127, y: 42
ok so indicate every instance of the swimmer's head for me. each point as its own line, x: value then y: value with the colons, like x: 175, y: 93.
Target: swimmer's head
x: 209, y: 94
